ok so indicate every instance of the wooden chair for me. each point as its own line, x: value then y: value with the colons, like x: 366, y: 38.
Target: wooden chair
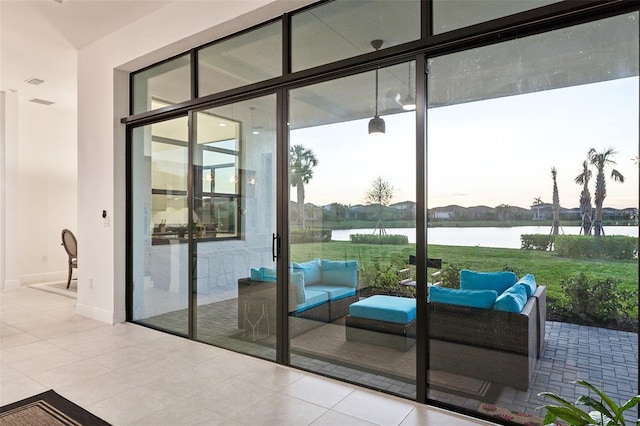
x: 70, y: 245
x: 406, y: 275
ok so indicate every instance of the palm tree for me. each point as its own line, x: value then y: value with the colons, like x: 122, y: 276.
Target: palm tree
x: 301, y: 164
x: 537, y: 202
x: 600, y: 160
x: 585, y: 197
x: 555, y: 227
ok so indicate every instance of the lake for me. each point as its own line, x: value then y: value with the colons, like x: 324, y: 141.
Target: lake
x: 482, y: 236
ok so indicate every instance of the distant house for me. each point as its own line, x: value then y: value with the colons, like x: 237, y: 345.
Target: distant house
x: 543, y: 211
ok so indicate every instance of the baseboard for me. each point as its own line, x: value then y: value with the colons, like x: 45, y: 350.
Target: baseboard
x: 101, y: 315
x: 11, y: 284
x: 43, y: 277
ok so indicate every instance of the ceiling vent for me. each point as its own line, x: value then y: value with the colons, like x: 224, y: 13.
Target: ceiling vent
x: 41, y: 101
x: 34, y: 81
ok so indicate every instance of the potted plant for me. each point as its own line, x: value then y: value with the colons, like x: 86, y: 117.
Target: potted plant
x: 605, y: 412
x: 200, y: 229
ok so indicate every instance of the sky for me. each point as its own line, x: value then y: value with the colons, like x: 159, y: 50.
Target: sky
x: 491, y: 152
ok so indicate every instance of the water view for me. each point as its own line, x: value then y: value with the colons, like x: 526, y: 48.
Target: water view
x: 499, y: 237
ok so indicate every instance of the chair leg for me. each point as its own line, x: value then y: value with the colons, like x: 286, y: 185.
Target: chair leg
x: 69, y: 278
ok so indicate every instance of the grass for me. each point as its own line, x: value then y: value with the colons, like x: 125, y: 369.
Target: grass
x: 548, y: 268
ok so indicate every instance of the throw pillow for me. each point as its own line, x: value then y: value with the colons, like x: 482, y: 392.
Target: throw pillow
x: 498, y: 281
x: 340, y: 272
x: 512, y: 300
x: 296, y: 282
x: 529, y: 283
x: 475, y: 298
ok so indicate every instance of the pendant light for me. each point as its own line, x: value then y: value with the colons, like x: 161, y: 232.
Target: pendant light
x: 376, y: 124
x: 409, y: 103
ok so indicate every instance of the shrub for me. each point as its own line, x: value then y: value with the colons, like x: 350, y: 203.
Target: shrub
x: 604, y: 247
x: 540, y: 242
x: 379, y: 239
x: 310, y: 236
x: 379, y: 277
x: 601, y: 300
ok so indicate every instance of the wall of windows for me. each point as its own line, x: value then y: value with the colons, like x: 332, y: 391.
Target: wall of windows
x: 307, y: 240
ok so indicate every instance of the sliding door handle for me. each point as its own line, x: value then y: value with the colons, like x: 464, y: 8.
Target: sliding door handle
x: 275, y: 247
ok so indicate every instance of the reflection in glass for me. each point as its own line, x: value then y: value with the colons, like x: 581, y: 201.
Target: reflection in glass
x: 337, y: 176
x: 160, y: 215
x: 167, y: 83
x: 234, y: 201
x: 510, y: 127
x: 449, y: 15
x: 243, y: 59
x: 343, y: 29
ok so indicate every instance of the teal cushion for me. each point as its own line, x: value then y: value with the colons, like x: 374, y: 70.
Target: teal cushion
x: 268, y: 274
x: 335, y: 292
x: 400, y: 310
x: 512, y: 300
x: 474, y: 298
x: 255, y: 274
x: 529, y: 283
x: 312, y: 298
x: 296, y: 280
x: 498, y: 281
x: 310, y: 269
x: 339, y: 272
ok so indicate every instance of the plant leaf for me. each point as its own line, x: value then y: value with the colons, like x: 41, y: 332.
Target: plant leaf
x: 626, y: 406
x: 614, y: 407
x: 574, y: 416
x: 596, y: 405
x: 558, y: 399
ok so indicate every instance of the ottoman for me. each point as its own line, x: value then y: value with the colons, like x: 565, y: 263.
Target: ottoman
x: 388, y: 321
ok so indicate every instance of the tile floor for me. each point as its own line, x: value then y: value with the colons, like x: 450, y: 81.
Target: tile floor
x: 131, y: 375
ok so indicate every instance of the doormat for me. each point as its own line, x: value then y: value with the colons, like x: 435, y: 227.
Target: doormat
x: 511, y: 416
x: 47, y: 408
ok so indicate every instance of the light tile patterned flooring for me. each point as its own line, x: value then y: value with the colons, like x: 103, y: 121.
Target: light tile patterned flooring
x: 132, y: 375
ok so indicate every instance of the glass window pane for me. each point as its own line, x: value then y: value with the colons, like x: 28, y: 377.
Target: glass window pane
x: 516, y: 143
x: 352, y: 219
x: 159, y: 217
x: 236, y: 309
x: 248, y: 58
x: 167, y: 83
x: 342, y: 29
x: 449, y: 15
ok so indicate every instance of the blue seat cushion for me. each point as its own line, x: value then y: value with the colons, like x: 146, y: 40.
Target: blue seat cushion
x: 343, y: 272
x: 498, y: 281
x: 401, y: 310
x: 474, y: 298
x: 335, y: 292
x: 310, y: 269
x: 312, y: 298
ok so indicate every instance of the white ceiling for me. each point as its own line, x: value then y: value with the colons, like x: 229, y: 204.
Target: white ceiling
x: 40, y: 38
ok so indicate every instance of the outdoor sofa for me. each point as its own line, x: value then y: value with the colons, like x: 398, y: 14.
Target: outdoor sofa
x: 495, y: 338
x: 320, y: 291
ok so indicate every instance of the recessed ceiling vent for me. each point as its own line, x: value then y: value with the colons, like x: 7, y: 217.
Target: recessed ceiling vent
x: 34, y: 81
x: 41, y: 101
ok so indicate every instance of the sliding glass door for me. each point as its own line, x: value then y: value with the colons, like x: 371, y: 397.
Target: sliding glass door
x: 234, y: 218
x: 532, y: 170
x: 159, y: 211
x: 352, y: 198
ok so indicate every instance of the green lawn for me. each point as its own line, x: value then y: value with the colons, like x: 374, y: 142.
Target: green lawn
x: 548, y: 268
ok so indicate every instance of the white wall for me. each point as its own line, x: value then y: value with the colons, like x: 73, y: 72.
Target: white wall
x: 103, y: 100
x: 47, y: 167
x: 39, y: 169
